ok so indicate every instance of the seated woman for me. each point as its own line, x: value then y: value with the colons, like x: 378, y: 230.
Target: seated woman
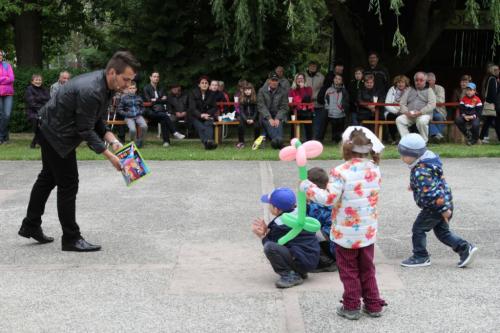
x: 203, y: 112
x: 299, y: 93
x: 399, y: 85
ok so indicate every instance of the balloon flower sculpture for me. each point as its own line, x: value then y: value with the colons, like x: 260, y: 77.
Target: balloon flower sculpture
x: 300, y: 153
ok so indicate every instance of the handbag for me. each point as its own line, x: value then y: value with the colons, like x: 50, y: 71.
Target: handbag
x: 489, y: 108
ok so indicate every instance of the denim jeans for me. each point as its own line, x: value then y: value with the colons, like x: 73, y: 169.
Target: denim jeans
x: 432, y: 220
x: 275, y: 133
x: 5, y: 110
x: 434, y: 129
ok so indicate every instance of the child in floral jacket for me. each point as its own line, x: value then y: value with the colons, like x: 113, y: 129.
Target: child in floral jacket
x: 353, y: 192
x: 433, y: 195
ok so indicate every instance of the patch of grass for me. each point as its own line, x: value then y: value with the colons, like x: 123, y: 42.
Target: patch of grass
x: 191, y: 149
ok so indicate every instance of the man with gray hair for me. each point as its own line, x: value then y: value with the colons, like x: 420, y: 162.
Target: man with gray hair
x: 64, y: 77
x: 439, y: 113
x: 417, y: 105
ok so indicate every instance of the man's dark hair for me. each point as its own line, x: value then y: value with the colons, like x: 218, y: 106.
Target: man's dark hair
x: 318, y: 176
x: 121, y: 60
x: 375, y: 53
x: 339, y: 63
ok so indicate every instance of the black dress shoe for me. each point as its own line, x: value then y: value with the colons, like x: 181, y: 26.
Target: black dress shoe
x: 37, y: 234
x: 79, y: 245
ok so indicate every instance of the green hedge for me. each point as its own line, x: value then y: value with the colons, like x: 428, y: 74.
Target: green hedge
x: 18, y: 121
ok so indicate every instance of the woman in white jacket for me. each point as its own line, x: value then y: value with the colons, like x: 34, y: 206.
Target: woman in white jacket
x: 399, y: 86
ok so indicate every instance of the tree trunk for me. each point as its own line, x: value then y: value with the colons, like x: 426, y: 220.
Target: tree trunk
x: 352, y: 35
x: 427, y: 27
x: 28, y: 39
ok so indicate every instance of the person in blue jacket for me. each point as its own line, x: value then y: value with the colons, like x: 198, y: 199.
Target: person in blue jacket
x: 300, y: 255
x: 433, y: 195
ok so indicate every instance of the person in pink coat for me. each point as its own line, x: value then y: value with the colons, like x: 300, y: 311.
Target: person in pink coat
x: 6, y: 96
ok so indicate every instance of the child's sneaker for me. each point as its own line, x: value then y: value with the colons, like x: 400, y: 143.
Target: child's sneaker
x: 179, y: 136
x: 416, y: 262
x: 349, y: 314
x: 240, y: 145
x: 467, y: 256
x: 486, y: 140
x: 373, y: 314
x: 289, y: 280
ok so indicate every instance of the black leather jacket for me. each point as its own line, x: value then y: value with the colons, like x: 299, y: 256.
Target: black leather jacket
x: 76, y: 114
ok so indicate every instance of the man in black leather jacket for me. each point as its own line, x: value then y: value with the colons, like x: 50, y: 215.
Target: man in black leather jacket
x: 74, y: 115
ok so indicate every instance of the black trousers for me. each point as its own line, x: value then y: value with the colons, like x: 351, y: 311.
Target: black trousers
x: 338, y: 127
x: 393, y: 129
x: 34, y: 128
x: 462, y: 126
x: 488, y: 122
x: 167, y: 126
x: 243, y: 125
x: 60, y: 172
x: 281, y: 259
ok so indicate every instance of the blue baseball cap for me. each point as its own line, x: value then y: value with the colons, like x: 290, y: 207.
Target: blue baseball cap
x: 282, y: 198
x: 471, y: 85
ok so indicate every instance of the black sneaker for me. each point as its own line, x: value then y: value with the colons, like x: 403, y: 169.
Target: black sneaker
x: 467, y: 256
x: 416, y: 262
x: 289, y: 280
x: 349, y: 314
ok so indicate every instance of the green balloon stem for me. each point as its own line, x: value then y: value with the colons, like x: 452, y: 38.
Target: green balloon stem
x: 297, y: 223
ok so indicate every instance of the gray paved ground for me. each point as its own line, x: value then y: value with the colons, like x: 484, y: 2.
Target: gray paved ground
x: 178, y: 256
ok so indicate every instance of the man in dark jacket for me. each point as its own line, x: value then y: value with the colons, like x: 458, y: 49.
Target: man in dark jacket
x: 74, y: 115
x: 272, y: 104
x: 368, y: 94
x: 381, y: 74
x: 159, y: 111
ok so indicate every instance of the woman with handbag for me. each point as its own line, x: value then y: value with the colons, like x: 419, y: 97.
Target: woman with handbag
x: 490, y: 91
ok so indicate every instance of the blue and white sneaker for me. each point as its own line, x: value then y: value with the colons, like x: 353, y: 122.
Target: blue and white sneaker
x: 467, y: 256
x: 416, y: 262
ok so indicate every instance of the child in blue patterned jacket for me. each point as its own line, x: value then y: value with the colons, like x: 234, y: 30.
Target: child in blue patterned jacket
x: 433, y: 195
x: 323, y: 214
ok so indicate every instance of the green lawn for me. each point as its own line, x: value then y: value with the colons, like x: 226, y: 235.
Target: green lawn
x: 191, y: 149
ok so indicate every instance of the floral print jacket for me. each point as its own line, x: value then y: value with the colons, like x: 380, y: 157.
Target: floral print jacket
x: 353, y: 193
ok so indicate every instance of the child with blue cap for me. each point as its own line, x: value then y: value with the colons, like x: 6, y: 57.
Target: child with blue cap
x: 300, y: 255
x: 471, y: 108
x: 433, y: 195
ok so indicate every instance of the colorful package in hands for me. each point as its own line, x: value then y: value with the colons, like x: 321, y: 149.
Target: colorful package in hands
x: 133, y: 165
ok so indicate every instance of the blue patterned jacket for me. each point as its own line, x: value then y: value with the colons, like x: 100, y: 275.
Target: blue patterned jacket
x: 430, y: 190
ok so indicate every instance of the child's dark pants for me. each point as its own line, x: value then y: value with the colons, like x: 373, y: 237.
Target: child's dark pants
x: 357, y: 273
x: 431, y: 220
x: 281, y: 259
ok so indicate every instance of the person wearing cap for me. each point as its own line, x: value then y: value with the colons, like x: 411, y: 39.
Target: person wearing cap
x: 417, y: 107
x: 470, y: 114
x: 272, y: 104
x: 300, y: 255
x: 433, y: 196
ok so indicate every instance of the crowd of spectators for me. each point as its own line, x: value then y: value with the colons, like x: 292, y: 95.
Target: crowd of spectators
x: 332, y: 101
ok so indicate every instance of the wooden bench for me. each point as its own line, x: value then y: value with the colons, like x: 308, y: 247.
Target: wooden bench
x: 379, y: 123
x: 295, y: 123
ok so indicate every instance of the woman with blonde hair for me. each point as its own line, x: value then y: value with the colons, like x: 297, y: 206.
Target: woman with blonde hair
x: 399, y: 85
x: 300, y: 93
